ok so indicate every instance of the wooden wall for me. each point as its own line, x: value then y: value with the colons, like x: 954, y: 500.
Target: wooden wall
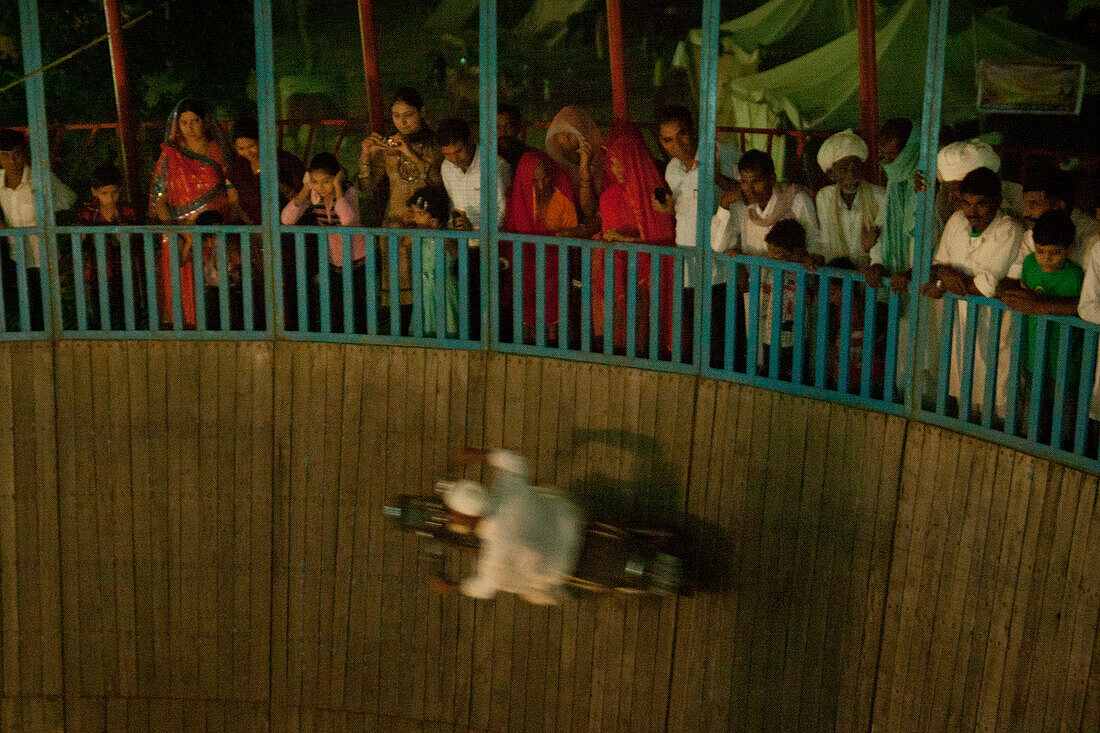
x: 191, y: 537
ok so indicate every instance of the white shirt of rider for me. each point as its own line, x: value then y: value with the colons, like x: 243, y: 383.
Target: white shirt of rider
x: 530, y: 538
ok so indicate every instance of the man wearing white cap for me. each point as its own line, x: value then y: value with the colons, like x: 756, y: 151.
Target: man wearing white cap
x: 850, y: 212
x: 953, y: 162
x: 530, y: 536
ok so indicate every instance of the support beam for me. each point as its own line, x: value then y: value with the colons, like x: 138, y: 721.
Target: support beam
x: 369, y: 38
x: 618, y: 59
x: 868, y: 78
x: 127, y: 122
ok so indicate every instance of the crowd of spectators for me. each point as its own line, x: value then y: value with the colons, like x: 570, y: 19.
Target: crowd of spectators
x: 1026, y: 245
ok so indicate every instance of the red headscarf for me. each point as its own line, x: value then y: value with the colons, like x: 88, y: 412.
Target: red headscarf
x: 628, y: 205
x: 519, y: 215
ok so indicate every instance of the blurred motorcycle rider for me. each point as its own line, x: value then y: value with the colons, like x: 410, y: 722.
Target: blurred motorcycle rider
x: 530, y: 536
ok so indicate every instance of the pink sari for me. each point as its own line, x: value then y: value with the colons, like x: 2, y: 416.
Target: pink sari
x: 523, y: 217
x: 626, y: 206
x: 189, y: 184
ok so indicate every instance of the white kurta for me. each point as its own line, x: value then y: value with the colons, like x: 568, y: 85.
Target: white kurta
x: 18, y: 206
x: 464, y: 187
x: 1088, y: 308
x: 987, y: 258
x: 846, y: 241
x: 530, y: 538
x: 734, y: 231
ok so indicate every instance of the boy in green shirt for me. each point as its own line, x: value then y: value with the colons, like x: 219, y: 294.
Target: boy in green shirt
x: 1050, y: 271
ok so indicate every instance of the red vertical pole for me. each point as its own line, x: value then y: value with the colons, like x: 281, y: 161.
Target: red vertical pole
x: 868, y: 77
x: 127, y: 124
x: 370, y: 65
x: 618, y: 59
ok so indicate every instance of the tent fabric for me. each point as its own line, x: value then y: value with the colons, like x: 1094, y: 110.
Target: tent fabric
x: 821, y: 89
x: 548, y: 18
x: 452, y: 14
x: 802, y: 26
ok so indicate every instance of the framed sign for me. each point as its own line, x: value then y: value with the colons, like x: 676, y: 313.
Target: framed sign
x: 1027, y: 88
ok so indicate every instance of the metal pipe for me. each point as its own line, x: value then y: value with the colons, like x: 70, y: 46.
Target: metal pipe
x: 618, y: 59
x: 127, y: 122
x: 369, y: 38
x: 868, y: 78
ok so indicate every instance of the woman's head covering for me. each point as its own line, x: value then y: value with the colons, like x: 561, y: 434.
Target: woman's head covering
x: 842, y: 145
x: 640, y: 178
x: 954, y: 161
x: 214, y: 131
x: 577, y: 122
x: 519, y: 217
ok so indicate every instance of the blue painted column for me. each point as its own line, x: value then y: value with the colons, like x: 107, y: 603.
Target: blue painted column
x: 269, y: 165
x: 487, y: 136
x: 40, y: 163
x: 708, y: 112
x: 926, y: 207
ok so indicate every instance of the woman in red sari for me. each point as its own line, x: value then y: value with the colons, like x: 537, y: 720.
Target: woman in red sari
x: 541, y: 203
x: 627, y: 215
x: 189, y: 178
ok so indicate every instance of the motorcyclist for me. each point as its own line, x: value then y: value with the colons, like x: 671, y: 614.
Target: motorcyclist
x: 530, y: 536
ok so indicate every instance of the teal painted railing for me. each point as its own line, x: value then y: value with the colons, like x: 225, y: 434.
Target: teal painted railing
x: 836, y: 338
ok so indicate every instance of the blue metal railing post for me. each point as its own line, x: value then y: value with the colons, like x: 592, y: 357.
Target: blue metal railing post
x: 269, y: 167
x: 926, y: 208
x: 708, y: 110
x: 40, y: 166
x: 487, y: 70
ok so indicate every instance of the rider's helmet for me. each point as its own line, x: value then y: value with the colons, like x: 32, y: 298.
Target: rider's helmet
x: 464, y: 496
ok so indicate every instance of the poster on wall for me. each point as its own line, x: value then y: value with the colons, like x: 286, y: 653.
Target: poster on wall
x: 1009, y: 87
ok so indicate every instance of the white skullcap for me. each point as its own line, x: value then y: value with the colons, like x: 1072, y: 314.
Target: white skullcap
x: 840, y: 146
x: 464, y: 496
x: 954, y: 161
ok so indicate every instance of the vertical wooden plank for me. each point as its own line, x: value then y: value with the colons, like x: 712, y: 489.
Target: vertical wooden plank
x: 970, y: 504
x: 910, y: 477
x: 328, y: 502
x: 161, y: 492
x: 235, y: 530
x: 49, y: 561
x: 1085, y: 632
x: 229, y: 537
x: 102, y: 500
x: 9, y: 593
x: 116, y: 380
x: 886, y: 514
x: 1034, y: 477
x: 68, y: 489
x: 145, y: 578
x: 28, y: 542
x: 284, y: 383
x: 264, y: 474
x: 205, y: 574
x: 349, y: 489
x: 1061, y: 688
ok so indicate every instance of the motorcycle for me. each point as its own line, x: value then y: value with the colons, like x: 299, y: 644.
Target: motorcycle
x: 631, y: 561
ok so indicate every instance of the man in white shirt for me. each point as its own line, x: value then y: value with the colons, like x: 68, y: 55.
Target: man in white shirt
x: 17, y: 204
x: 978, y: 246
x: 677, y: 134
x: 1088, y: 308
x: 461, y: 171
x: 530, y: 536
x: 1053, y: 191
x: 851, y: 212
x: 743, y: 226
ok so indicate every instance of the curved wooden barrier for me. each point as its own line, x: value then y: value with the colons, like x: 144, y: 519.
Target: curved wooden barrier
x: 191, y: 536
